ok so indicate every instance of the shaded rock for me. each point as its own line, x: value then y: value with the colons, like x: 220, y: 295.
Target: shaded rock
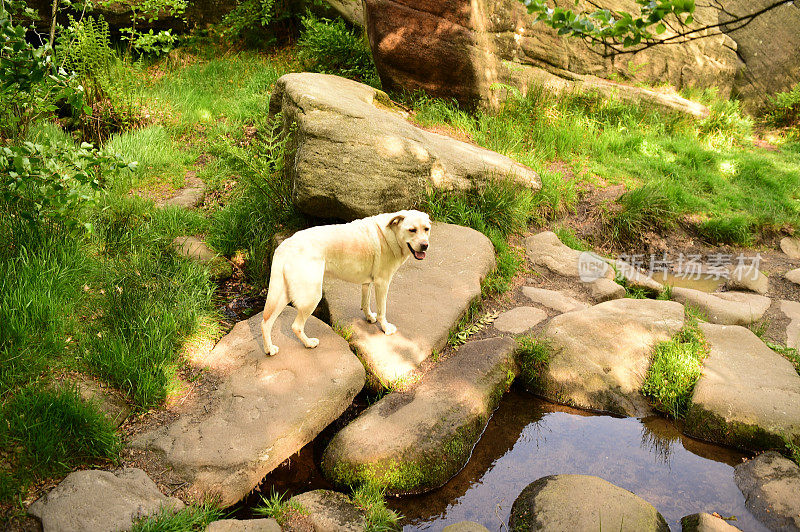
x: 110, y: 402
x: 600, y: 356
x: 350, y: 10
x: 519, y: 320
x: 553, y: 299
x: 425, y: 301
x: 792, y: 311
x: 100, y: 500
x: 416, y: 440
x: 546, y: 250
x: 263, y: 410
x: 355, y: 154
x: 195, y: 249
x: 793, y: 276
x: 771, y: 484
x: 330, y: 511
x: 244, y: 525
x: 726, y: 308
x: 748, y: 396
x: 465, y: 526
x: 636, y: 278
x: 748, y: 277
x: 791, y: 246
x: 582, y: 502
x: 704, y: 522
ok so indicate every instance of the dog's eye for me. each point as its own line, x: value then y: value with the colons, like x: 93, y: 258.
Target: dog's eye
x: 412, y: 230
x: 427, y: 229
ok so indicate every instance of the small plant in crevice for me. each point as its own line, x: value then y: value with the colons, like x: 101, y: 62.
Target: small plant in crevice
x: 279, y: 508
x: 462, y: 332
x: 533, y: 355
x: 675, y: 369
x: 793, y: 449
x: 370, y: 499
x: 193, y: 518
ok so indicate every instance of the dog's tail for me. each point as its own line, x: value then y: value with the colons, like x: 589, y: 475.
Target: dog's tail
x: 278, y: 289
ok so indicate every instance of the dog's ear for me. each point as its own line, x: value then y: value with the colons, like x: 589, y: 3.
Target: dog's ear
x: 394, y: 222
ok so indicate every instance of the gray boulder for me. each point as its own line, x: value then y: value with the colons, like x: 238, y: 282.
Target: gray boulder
x: 330, y: 511
x: 519, y: 320
x: 416, y: 440
x: 748, y: 396
x: 582, y: 502
x: 353, y: 153
x: 244, y: 525
x: 726, y: 308
x: 770, y: 484
x: 704, y: 522
x: 600, y: 356
x: 426, y: 300
x: 94, y: 500
x: 263, y: 410
x: 791, y: 246
x: 553, y: 299
x: 748, y: 277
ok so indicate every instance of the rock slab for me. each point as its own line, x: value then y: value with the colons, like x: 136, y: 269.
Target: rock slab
x: 771, y: 487
x: 748, y: 395
x: 600, y: 355
x: 355, y: 154
x: 330, y: 511
x: 244, y: 525
x: 793, y: 276
x: 426, y: 299
x: 263, y: 411
x: 582, y: 502
x: 748, y: 277
x: 100, y: 500
x: 416, y: 440
x: 792, y: 311
x: 726, y: 308
x: 553, y: 299
x: 704, y: 522
x: 791, y: 246
x: 519, y: 320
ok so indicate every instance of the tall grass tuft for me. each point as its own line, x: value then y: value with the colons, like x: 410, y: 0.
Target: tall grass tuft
x: 194, y: 518
x: 643, y: 209
x: 369, y: 498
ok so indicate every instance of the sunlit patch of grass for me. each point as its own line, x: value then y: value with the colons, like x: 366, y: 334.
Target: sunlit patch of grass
x: 370, y: 499
x: 158, y: 156
x: 194, y: 518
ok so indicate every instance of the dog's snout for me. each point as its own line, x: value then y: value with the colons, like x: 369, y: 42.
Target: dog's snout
x: 423, y: 246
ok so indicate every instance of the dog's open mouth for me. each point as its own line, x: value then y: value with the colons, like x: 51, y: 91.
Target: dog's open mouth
x: 419, y: 255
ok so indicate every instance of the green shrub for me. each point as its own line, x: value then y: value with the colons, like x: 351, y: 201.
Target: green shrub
x: 675, y: 368
x: 642, y: 209
x: 786, y: 107
x: 533, y: 355
x: 726, y: 121
x: 330, y: 47
x: 262, y: 22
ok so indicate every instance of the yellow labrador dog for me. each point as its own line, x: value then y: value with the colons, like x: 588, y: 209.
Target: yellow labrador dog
x: 367, y: 251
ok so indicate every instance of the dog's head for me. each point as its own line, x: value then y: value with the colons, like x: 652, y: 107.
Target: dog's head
x: 412, y: 229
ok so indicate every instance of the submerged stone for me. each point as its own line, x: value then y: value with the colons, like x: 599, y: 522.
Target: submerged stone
x: 770, y: 484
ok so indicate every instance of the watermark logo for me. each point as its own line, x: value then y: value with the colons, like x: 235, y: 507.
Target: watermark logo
x: 591, y: 267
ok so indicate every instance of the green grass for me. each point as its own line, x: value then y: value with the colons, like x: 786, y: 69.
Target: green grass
x: 533, y: 354
x: 675, y: 368
x: 568, y: 237
x: 278, y: 507
x: 194, y: 518
x: 370, y: 499
x: 157, y: 152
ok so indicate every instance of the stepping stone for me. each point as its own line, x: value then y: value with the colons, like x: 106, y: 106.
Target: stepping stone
x: 635, y: 277
x: 748, y: 396
x: 553, y: 299
x: 581, y: 502
x: 111, y: 403
x: 355, y: 153
x: 263, y: 410
x: 100, y: 500
x: 748, y: 277
x: 725, y: 308
x: 546, y: 250
x: 188, y: 196
x: 770, y: 484
x: 792, y: 311
x: 330, y: 511
x: 791, y: 246
x: 244, y: 525
x: 416, y: 440
x: 600, y: 355
x: 195, y: 249
x: 465, y: 526
x: 426, y: 300
x: 793, y: 276
x: 704, y: 522
x: 519, y: 320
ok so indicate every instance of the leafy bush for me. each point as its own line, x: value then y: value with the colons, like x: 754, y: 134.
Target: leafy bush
x: 263, y: 22
x: 330, y: 47
x: 786, y: 108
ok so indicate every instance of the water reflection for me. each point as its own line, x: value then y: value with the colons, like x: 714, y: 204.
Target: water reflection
x: 528, y: 438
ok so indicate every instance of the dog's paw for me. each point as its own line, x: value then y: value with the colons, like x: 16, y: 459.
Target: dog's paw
x: 312, y: 343
x: 371, y: 317
x: 389, y: 329
x: 273, y: 350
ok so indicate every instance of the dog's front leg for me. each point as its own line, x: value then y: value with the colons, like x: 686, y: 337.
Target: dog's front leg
x: 368, y: 314
x: 381, y: 291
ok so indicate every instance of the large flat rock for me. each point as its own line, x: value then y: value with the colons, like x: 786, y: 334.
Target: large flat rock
x: 600, y: 355
x: 426, y: 299
x: 416, y: 440
x: 748, y: 396
x: 770, y: 484
x: 92, y: 500
x: 725, y: 308
x: 263, y: 411
x: 355, y: 154
x: 581, y: 502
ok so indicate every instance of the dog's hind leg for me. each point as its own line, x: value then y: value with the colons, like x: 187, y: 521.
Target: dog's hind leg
x: 277, y: 299
x: 368, y: 314
x: 305, y: 293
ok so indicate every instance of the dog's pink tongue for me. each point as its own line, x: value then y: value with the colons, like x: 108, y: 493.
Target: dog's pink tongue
x: 419, y: 255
